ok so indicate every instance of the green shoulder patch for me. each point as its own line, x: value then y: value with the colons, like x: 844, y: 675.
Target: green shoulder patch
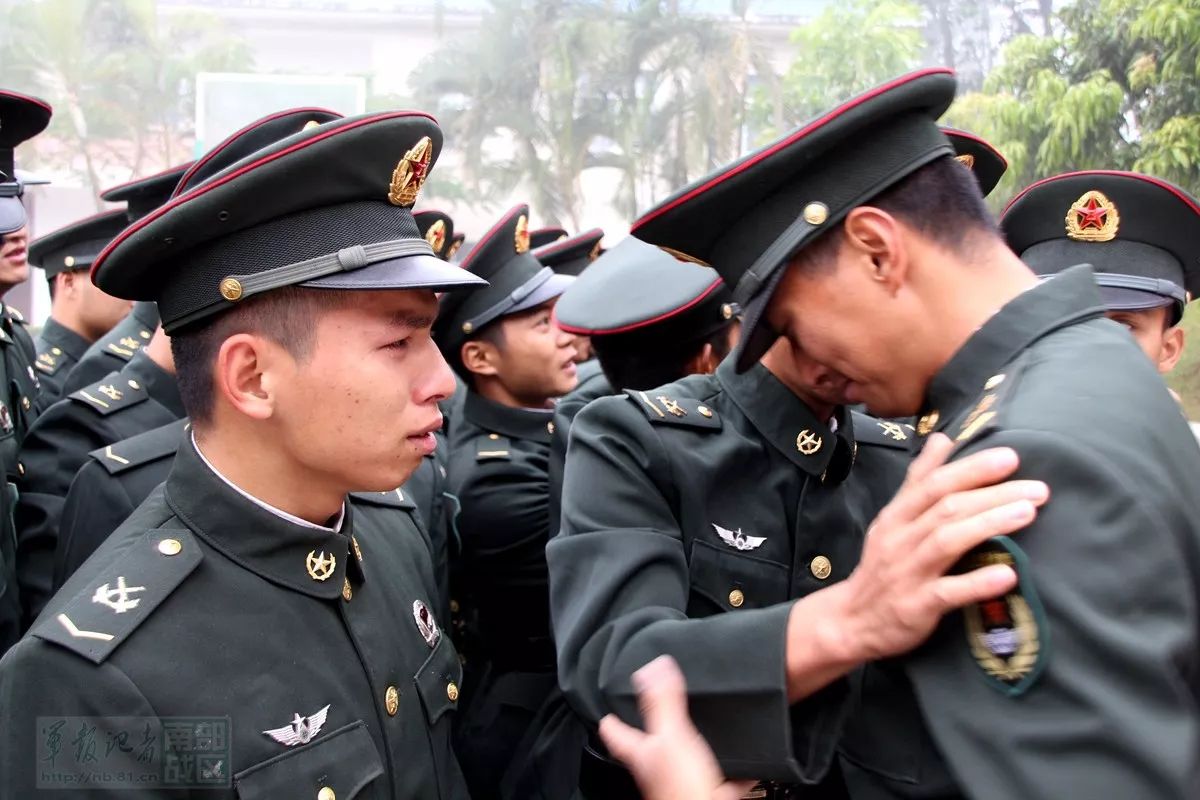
x: 1008, y: 637
x: 122, y: 595
x: 145, y: 448
x: 396, y: 498
x: 110, y: 394
x: 493, y: 447
x: 882, y: 432
x: 667, y: 409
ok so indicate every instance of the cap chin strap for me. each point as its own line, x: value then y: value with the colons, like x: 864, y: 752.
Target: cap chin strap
x: 514, y: 298
x: 1158, y: 286
x: 347, y: 259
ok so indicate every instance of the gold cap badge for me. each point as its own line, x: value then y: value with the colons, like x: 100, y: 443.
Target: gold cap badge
x: 521, y: 237
x: 436, y: 235
x: 410, y: 174
x: 1093, y: 218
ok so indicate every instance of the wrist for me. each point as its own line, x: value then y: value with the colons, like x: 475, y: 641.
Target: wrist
x: 824, y: 640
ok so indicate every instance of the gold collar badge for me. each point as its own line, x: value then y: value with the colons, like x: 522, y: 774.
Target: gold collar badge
x: 1093, y: 218
x: 320, y: 566
x: 410, y: 174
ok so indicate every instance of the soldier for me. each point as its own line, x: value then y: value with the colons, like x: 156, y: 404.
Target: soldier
x: 896, y: 278
x: 515, y: 360
x: 21, y: 118
x: 1136, y: 231
x: 111, y: 352
x: 309, y: 373
x: 140, y: 397
x: 438, y: 229
x: 571, y: 256
x: 540, y: 237
x: 79, y: 312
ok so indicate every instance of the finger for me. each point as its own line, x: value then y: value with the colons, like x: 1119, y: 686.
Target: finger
x: 934, y: 452
x: 662, y: 695
x: 955, y: 539
x: 733, y: 790
x: 964, y: 505
x: 985, y: 583
x: 972, y: 472
x: 623, y: 741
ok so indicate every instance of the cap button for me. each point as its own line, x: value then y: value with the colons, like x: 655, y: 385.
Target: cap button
x: 816, y: 213
x: 231, y: 289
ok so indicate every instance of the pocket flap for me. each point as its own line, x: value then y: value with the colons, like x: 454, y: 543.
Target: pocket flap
x: 733, y: 580
x: 345, y: 761
x: 440, y: 681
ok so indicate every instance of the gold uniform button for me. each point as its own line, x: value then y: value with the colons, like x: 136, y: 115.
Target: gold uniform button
x: 704, y: 411
x: 994, y: 381
x: 493, y: 436
x: 25, y: 404
x: 736, y: 598
x: 134, y: 385
x: 347, y: 592
x: 391, y: 700
x: 56, y: 351
x: 231, y: 290
x: 452, y: 691
x: 20, y: 468
x: 326, y: 794
x: 144, y: 334
x: 550, y: 427
x: 170, y: 547
x: 821, y: 567
x: 927, y: 423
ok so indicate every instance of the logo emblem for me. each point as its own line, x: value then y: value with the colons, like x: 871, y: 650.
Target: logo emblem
x: 1093, y: 218
x: 808, y: 443
x: 410, y: 174
x: 302, y: 730
x: 738, y: 540
x: 117, y: 599
x: 521, y: 235
x: 320, y: 566
x: 436, y: 235
x: 426, y: 624
x: 893, y: 430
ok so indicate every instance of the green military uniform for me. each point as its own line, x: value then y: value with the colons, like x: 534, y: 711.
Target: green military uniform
x: 498, y: 475
x: 692, y: 514
x: 112, y: 351
x: 140, y: 397
x: 72, y: 248
x: 21, y: 118
x: 1084, y: 680
x: 361, y: 683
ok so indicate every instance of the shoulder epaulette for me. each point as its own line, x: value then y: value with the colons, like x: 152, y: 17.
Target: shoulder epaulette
x: 493, y: 447
x: 110, y: 394
x: 393, y: 499
x: 15, y: 315
x: 882, y: 432
x: 987, y: 413
x: 123, y: 593
x: 49, y: 362
x: 123, y: 347
x: 142, y: 449
x: 665, y: 409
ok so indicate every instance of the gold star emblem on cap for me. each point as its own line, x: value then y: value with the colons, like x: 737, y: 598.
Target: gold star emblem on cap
x: 410, y: 174
x: 320, y: 566
x: 436, y: 235
x: 521, y: 235
x: 1093, y: 218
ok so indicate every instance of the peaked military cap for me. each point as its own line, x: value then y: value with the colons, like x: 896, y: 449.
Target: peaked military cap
x: 77, y: 245
x: 635, y: 294
x: 543, y: 236
x: 749, y: 219
x: 1140, y: 234
x: 572, y: 255
x: 21, y: 118
x: 438, y: 230
x: 249, y: 140
x: 979, y: 156
x: 516, y: 281
x: 144, y: 195
x: 267, y: 222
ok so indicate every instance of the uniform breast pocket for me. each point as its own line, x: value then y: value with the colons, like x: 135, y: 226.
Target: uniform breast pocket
x: 725, y: 580
x: 439, y: 681
x: 345, y: 762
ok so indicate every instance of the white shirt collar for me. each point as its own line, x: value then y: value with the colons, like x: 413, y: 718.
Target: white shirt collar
x: 337, y: 527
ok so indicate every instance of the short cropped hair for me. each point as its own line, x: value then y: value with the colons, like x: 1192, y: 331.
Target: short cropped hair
x: 941, y: 200
x: 633, y: 364
x: 492, y: 333
x: 286, y: 316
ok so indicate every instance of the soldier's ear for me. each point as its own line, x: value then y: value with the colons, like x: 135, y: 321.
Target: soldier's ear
x: 1171, y: 350
x: 481, y: 357
x: 244, y: 377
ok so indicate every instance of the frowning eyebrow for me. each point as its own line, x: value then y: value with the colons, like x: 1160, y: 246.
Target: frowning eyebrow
x: 406, y: 319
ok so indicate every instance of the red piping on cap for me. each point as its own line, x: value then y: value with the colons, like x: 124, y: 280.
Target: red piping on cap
x: 429, y: 211
x: 204, y: 159
x: 955, y: 132
x: 566, y: 244
x: 29, y: 98
x: 208, y: 187
x: 745, y: 165
x: 1115, y: 173
x: 516, y: 210
x: 660, y: 318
